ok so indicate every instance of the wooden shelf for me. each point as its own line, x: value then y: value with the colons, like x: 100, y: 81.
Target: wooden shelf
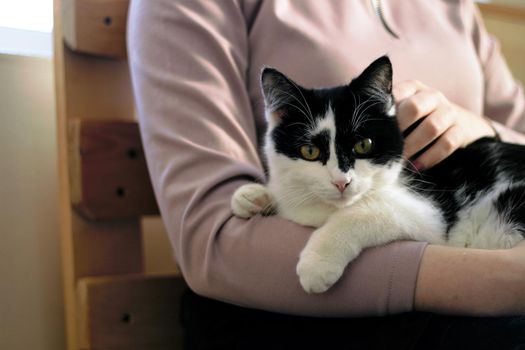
x: 108, y: 174
x: 96, y: 27
x: 130, y: 312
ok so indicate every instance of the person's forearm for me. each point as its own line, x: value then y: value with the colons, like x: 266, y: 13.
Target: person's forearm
x: 472, y: 281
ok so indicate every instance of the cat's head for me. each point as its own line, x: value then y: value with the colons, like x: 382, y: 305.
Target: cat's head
x: 333, y: 144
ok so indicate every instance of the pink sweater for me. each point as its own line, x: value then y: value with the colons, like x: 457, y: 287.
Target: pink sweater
x: 195, y: 67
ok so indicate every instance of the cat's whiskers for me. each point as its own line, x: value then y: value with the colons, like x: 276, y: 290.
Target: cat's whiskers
x: 358, y: 116
x: 409, y: 182
x: 304, y: 99
x: 374, y: 119
x: 360, y: 105
x: 361, y: 113
x: 413, y: 168
x: 415, y: 171
x: 379, y: 94
x: 305, y: 199
x: 300, y: 110
x: 514, y: 195
x: 297, y: 123
x: 357, y: 106
x: 293, y: 201
x: 292, y: 196
x: 411, y: 185
x: 302, y: 140
x: 305, y: 110
x: 278, y: 96
x: 361, y: 116
x: 422, y: 181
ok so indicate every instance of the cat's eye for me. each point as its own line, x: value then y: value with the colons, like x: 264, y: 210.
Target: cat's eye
x: 363, y: 147
x: 310, y: 152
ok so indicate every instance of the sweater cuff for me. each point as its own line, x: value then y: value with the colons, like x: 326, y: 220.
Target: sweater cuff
x: 403, y: 277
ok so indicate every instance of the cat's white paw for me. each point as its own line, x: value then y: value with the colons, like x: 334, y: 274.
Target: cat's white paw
x: 249, y: 200
x: 316, y: 274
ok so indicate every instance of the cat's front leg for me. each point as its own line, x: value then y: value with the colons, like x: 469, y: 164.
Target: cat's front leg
x: 251, y: 199
x: 325, y: 257
x: 392, y: 216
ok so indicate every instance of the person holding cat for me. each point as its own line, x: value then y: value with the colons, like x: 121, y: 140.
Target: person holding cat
x: 196, y: 70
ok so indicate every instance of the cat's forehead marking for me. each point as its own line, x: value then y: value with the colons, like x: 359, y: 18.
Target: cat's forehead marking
x: 326, y: 122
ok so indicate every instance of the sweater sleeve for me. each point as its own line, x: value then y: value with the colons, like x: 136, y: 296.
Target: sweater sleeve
x: 504, y: 100
x: 188, y: 63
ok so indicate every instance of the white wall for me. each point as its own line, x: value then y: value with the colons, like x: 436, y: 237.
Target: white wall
x: 31, y: 306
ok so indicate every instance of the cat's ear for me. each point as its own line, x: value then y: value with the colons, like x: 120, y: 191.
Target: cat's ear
x: 376, y: 82
x: 376, y: 78
x: 279, y: 93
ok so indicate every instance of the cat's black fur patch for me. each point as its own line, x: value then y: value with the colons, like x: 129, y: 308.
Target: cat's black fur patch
x: 475, y: 170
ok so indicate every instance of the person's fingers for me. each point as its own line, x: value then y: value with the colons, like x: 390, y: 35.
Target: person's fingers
x: 435, y: 121
x: 406, y: 89
x: 417, y: 106
x: 449, y: 141
x: 430, y: 129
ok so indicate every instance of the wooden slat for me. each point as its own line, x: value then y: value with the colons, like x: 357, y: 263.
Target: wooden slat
x: 108, y: 173
x: 156, y: 247
x: 96, y: 27
x: 130, y: 312
x: 64, y: 207
x: 106, y: 247
x: 97, y: 88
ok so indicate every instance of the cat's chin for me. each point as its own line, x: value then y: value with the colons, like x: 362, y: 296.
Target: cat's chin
x: 343, y: 201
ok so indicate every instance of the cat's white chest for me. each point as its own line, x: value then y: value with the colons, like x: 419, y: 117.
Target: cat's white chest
x: 314, y: 214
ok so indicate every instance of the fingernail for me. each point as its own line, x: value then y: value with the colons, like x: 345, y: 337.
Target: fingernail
x: 418, y: 165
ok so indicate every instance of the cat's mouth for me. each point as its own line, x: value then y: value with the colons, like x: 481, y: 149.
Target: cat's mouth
x: 343, y: 199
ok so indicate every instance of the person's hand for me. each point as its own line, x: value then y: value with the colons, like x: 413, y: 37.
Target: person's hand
x: 449, y: 125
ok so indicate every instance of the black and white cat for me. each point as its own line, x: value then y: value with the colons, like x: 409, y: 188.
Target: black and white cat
x: 335, y: 162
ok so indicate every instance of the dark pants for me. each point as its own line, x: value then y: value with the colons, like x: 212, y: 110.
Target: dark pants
x: 210, y: 324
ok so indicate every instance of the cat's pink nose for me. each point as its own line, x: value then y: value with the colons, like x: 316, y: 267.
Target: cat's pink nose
x: 341, y: 185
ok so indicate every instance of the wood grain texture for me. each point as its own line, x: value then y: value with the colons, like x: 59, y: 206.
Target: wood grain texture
x: 97, y: 88
x: 130, y: 312
x: 96, y: 27
x: 108, y: 173
x: 106, y: 247
x: 64, y: 206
